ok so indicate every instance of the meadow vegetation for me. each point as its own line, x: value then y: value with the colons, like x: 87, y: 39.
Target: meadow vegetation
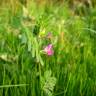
x: 47, y: 49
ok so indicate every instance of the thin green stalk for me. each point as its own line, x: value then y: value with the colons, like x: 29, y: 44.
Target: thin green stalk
x: 18, y: 85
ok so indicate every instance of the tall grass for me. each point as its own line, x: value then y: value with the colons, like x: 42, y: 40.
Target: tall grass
x: 25, y: 70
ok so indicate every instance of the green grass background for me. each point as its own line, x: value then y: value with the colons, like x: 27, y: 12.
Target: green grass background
x: 72, y: 68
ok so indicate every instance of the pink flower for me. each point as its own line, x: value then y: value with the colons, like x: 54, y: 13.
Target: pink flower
x: 49, y: 35
x: 49, y: 50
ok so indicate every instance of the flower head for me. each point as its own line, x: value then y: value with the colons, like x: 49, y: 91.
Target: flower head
x: 42, y: 32
x: 49, y: 35
x: 49, y: 50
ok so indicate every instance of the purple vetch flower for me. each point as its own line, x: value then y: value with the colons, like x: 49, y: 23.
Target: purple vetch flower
x: 49, y: 35
x: 49, y: 50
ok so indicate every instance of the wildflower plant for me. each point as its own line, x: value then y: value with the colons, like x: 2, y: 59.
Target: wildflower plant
x: 49, y: 50
x: 48, y: 83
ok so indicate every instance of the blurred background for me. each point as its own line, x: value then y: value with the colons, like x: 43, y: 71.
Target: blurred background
x: 27, y: 27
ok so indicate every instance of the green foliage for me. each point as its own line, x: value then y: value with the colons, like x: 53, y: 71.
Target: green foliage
x: 25, y: 70
x: 48, y: 82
